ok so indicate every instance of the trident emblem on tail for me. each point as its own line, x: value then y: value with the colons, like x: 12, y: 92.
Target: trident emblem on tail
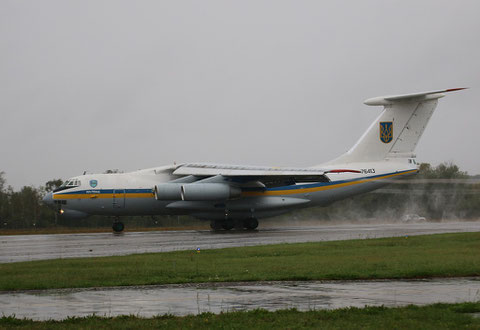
x: 386, y: 131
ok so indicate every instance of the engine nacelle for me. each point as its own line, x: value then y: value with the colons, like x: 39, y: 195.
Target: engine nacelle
x: 168, y: 191
x: 209, y: 192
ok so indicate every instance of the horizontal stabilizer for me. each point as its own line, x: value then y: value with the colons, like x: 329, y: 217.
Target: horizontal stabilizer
x: 386, y: 100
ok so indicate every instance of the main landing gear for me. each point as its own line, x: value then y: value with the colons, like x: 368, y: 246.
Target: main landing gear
x: 249, y: 224
x: 118, y: 226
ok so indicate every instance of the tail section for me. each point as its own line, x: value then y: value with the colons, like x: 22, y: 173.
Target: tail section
x: 396, y: 132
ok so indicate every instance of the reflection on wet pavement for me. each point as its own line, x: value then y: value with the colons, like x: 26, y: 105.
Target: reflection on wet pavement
x: 193, y: 299
x: 38, y: 247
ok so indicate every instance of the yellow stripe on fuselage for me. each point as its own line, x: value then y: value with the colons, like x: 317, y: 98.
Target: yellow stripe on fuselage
x: 322, y: 188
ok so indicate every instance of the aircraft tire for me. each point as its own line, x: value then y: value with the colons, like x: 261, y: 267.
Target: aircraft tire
x: 228, y: 224
x: 239, y: 225
x: 118, y: 227
x: 250, y: 223
x: 215, y: 225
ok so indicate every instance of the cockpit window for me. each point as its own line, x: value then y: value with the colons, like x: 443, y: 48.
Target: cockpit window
x: 70, y: 184
x: 74, y: 183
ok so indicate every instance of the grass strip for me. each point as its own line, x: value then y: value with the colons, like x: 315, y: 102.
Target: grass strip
x: 443, y: 255
x: 438, y: 316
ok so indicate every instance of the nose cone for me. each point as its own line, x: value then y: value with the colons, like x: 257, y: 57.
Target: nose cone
x: 48, y: 199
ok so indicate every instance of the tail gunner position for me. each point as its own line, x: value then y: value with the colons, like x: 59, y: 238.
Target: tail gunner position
x: 235, y: 196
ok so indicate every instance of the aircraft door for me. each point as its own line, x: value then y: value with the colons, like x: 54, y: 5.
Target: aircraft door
x: 118, y: 198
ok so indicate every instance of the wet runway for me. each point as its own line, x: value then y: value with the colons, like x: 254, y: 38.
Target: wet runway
x: 215, y: 298
x: 37, y: 247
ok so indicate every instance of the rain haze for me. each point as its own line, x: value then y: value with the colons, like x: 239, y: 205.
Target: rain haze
x: 97, y: 85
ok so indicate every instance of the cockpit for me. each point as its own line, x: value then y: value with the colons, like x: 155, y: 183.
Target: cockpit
x: 70, y: 183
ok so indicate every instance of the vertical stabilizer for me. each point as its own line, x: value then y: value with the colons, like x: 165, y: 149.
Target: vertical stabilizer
x: 396, y: 132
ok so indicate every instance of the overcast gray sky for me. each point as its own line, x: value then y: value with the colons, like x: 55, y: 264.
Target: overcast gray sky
x: 96, y: 85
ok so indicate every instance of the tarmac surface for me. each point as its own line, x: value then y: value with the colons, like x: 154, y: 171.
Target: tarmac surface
x: 194, y: 299
x: 217, y: 297
x: 17, y: 248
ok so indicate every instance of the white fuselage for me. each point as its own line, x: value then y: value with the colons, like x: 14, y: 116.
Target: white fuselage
x: 120, y: 194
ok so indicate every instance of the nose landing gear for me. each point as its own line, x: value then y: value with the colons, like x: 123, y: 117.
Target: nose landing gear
x: 216, y: 224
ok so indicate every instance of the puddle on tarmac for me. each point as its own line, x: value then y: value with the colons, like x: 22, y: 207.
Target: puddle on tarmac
x: 193, y: 299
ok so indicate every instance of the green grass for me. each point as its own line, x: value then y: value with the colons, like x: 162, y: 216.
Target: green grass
x: 438, y: 316
x: 442, y: 255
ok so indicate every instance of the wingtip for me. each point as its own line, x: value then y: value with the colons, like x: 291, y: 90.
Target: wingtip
x: 455, y: 89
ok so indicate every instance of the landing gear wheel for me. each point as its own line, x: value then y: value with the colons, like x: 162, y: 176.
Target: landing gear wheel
x: 251, y: 223
x: 118, y: 227
x: 228, y: 224
x: 215, y: 225
x: 239, y: 225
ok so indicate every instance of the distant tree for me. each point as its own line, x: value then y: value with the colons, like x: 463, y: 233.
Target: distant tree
x: 442, y: 171
x: 112, y: 171
x: 450, y: 171
x: 3, y: 181
x: 3, y: 199
x: 425, y: 169
x: 53, y: 184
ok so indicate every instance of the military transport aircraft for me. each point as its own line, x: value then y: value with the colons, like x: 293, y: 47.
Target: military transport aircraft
x: 235, y: 196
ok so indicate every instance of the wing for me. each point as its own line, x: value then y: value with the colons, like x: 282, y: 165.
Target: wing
x: 205, y: 169
x: 256, y: 175
x: 197, y: 184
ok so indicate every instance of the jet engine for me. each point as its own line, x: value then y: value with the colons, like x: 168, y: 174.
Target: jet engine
x: 168, y: 191
x: 209, y: 192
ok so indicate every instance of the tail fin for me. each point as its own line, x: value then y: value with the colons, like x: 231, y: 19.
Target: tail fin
x: 395, y: 133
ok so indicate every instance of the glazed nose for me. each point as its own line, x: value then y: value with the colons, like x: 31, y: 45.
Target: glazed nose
x: 48, y: 199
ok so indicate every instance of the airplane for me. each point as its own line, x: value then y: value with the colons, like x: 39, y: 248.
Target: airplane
x: 236, y: 196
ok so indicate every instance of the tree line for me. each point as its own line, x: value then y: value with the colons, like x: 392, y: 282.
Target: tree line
x: 436, y: 193
x: 441, y: 192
